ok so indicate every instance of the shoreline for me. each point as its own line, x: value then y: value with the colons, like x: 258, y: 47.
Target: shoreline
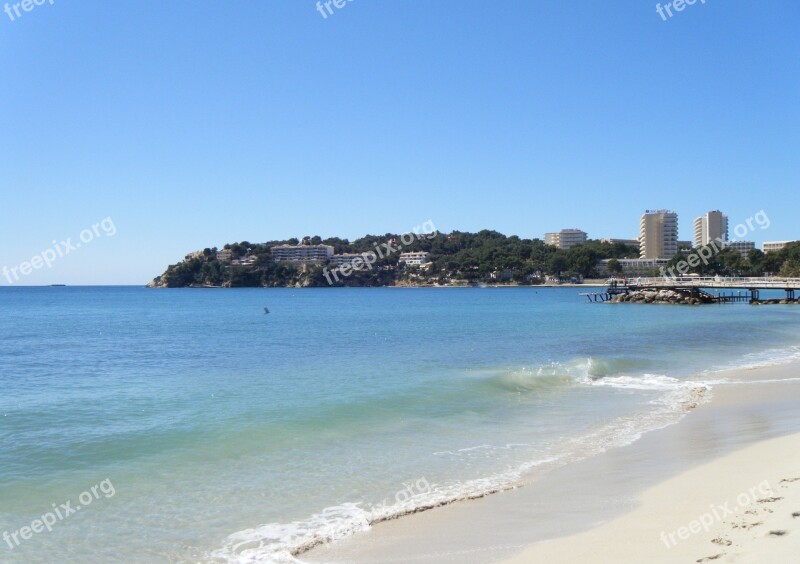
x: 553, y: 510
x: 745, y: 505
x: 588, y: 284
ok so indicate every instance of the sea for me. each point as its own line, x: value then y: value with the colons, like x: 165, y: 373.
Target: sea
x: 188, y: 425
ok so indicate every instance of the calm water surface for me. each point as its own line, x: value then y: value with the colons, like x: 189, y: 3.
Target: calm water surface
x: 214, y: 432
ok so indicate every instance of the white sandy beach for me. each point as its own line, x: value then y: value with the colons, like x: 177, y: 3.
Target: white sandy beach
x: 743, y: 507
x: 722, y: 485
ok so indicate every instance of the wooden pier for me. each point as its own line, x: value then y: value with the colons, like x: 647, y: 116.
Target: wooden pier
x: 747, y: 289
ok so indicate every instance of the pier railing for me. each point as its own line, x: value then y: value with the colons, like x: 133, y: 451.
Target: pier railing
x: 743, y: 283
x: 694, y: 286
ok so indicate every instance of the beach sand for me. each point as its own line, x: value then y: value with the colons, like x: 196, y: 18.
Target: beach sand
x: 744, y: 507
x: 614, y: 507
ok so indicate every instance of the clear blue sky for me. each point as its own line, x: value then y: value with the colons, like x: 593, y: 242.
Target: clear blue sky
x: 193, y: 124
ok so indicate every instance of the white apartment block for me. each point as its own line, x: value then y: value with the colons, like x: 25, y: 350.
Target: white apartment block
x: 566, y: 238
x: 302, y: 253
x: 658, y: 234
x: 711, y: 227
x: 417, y: 258
x: 353, y: 260
x: 631, y: 242
x: 634, y: 267
x: 772, y: 246
x: 744, y: 247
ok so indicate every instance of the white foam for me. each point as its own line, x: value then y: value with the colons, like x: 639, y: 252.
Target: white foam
x: 762, y: 359
x: 730, y: 382
x: 492, y: 448
x: 655, y: 382
x: 281, y: 542
x: 277, y: 542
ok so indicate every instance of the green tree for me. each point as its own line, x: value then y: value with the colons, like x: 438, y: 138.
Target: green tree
x: 558, y: 264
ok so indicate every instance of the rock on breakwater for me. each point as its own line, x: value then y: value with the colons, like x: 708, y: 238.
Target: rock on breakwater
x: 676, y: 297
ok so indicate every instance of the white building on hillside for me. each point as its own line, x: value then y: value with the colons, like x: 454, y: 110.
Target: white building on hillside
x: 634, y: 267
x: 302, y: 253
x: 353, y: 260
x: 566, y: 238
x: 772, y: 246
x: 631, y: 242
x: 414, y: 259
x: 744, y: 247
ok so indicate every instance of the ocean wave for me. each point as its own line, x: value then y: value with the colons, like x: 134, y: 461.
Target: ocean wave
x: 643, y: 382
x: 284, y: 542
x: 557, y: 375
x: 760, y: 359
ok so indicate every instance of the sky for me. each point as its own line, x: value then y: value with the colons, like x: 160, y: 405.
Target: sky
x: 191, y: 124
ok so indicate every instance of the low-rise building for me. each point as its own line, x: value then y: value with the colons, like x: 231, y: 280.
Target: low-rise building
x: 566, y: 238
x: 415, y: 258
x: 631, y: 242
x: 194, y: 255
x: 224, y: 254
x: 744, y: 247
x: 772, y: 246
x: 633, y: 267
x: 501, y: 275
x: 304, y: 254
x: 353, y: 260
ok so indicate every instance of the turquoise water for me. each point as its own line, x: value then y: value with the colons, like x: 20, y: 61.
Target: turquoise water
x: 229, y: 435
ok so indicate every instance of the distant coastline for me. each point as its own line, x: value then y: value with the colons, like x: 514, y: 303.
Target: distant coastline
x: 598, y: 283
x: 433, y: 259
x: 457, y: 259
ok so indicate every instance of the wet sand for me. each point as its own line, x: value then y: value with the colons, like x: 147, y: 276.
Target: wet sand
x: 584, y: 497
x: 743, y: 507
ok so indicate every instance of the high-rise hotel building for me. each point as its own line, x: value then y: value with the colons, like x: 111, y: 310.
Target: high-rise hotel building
x: 658, y: 235
x: 709, y: 228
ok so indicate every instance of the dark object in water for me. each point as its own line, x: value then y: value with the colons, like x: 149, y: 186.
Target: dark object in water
x: 266, y: 310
